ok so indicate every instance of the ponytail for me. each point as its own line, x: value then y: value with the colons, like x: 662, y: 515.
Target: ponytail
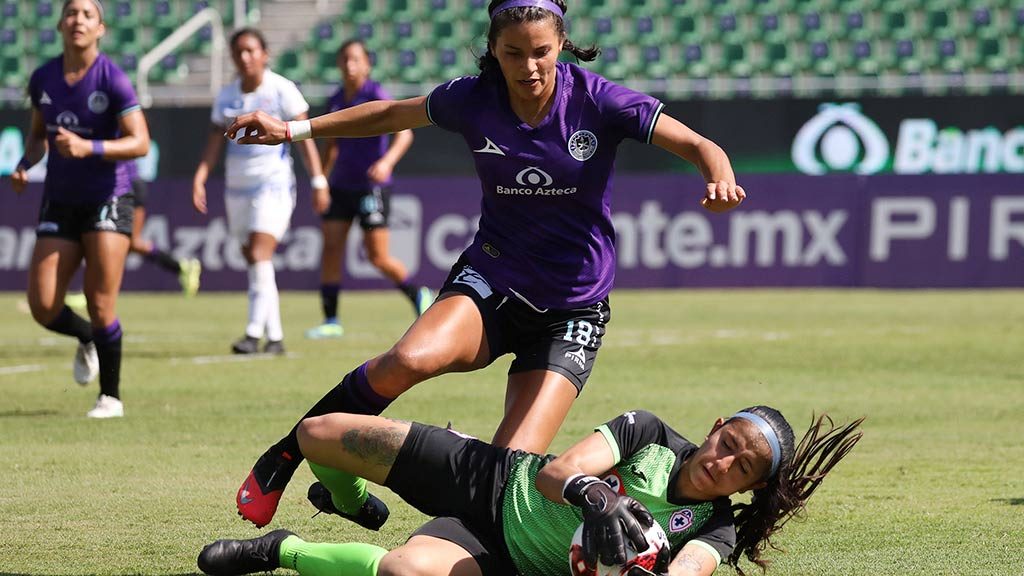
x: 786, y: 493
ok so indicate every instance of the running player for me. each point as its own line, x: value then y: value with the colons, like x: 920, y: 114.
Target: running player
x: 188, y: 270
x: 85, y: 111
x: 513, y: 512
x: 360, y: 188
x: 260, y: 194
x: 535, y: 281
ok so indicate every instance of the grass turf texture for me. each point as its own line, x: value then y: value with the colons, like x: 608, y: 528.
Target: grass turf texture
x: 936, y: 486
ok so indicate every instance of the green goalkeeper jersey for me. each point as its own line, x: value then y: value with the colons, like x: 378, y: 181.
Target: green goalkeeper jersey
x: 648, y: 453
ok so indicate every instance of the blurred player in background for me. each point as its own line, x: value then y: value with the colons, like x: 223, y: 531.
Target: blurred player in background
x: 513, y: 512
x: 85, y: 111
x: 260, y: 187
x: 535, y: 281
x: 360, y: 179
x: 188, y: 270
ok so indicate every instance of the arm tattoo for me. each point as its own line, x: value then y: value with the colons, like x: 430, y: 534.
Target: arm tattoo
x: 377, y: 445
x: 688, y: 562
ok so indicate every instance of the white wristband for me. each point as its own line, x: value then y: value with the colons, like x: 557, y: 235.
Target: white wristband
x: 318, y: 181
x: 299, y: 130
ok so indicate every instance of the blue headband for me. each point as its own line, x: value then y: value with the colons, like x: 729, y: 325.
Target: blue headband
x: 769, y: 434
x: 545, y: 4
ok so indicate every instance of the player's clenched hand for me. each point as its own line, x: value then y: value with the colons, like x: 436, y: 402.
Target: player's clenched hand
x: 257, y: 128
x: 609, y: 521
x: 19, y: 180
x: 722, y: 196
x: 71, y: 145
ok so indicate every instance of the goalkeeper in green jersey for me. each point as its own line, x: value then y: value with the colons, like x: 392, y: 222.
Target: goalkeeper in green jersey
x: 506, y: 512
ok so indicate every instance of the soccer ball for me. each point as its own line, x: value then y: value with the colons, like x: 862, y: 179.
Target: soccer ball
x: 656, y: 540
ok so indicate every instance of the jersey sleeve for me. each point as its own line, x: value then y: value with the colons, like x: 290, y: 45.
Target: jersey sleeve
x: 633, y: 113
x: 33, y: 88
x: 292, y: 101
x: 217, y: 111
x: 633, y: 431
x: 123, y: 99
x: 446, y: 103
x: 718, y: 534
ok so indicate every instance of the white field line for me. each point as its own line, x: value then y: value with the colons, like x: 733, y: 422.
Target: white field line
x: 228, y: 358
x: 10, y: 370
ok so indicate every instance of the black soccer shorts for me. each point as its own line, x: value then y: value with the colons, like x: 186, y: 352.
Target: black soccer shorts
x: 565, y: 341
x: 70, y: 221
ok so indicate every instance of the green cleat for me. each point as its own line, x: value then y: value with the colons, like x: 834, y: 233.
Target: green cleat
x: 191, y: 269
x: 325, y: 331
x: 76, y: 301
x: 424, y: 298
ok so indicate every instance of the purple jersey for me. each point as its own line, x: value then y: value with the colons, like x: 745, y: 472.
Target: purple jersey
x: 91, y: 109
x: 546, y: 232
x: 356, y: 155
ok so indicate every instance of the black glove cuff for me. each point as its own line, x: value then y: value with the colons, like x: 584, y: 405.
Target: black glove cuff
x: 574, y: 488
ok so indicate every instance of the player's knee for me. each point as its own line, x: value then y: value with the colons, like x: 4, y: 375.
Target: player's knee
x: 42, y: 313
x: 399, y: 563
x: 310, y: 431
x: 409, y: 363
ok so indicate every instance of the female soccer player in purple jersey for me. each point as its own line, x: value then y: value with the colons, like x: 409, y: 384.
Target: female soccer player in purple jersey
x: 360, y: 180
x: 84, y: 110
x: 535, y: 280
x: 517, y: 511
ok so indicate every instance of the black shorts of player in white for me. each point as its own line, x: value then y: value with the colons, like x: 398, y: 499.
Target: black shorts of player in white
x: 563, y: 341
x: 70, y: 221
x: 372, y: 206
x: 460, y: 479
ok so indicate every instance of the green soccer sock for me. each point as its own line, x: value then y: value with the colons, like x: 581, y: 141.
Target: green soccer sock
x: 348, y: 492
x: 330, y: 559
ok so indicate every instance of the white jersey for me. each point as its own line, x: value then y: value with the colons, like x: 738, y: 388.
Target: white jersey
x: 249, y: 167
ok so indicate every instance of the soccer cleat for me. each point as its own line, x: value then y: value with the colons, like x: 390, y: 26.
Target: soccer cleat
x: 236, y: 557
x: 188, y: 277
x: 259, y: 495
x: 87, y: 363
x: 77, y: 301
x: 424, y: 298
x: 246, y: 345
x: 106, y: 407
x: 274, y: 347
x: 371, y: 515
x: 325, y: 330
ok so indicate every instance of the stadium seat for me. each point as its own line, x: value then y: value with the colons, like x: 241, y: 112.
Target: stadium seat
x: 14, y: 73
x: 48, y: 43
x: 11, y: 42
x: 126, y: 14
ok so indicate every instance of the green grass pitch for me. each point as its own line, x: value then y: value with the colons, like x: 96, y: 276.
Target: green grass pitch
x: 936, y: 486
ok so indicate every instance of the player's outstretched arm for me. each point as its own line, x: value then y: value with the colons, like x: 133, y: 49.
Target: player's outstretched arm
x: 591, y: 456
x: 721, y: 193
x: 369, y: 119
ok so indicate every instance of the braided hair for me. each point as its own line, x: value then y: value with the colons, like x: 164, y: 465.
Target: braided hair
x: 489, y: 63
x: 801, y: 471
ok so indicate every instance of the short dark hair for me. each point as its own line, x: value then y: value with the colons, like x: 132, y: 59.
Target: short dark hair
x: 352, y: 42
x: 248, y: 31
x: 488, y: 63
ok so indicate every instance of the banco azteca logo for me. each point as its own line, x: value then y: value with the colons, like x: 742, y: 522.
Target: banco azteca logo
x: 533, y: 176
x: 840, y: 138
x: 67, y: 119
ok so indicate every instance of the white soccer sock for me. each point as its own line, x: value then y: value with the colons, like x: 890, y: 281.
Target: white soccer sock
x: 263, y: 301
x: 275, y: 331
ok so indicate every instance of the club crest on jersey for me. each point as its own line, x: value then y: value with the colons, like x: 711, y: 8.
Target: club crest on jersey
x: 615, y: 481
x: 98, y: 102
x: 582, y: 145
x: 67, y: 119
x: 681, y: 520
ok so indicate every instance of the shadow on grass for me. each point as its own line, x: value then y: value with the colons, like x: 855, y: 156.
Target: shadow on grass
x: 84, y: 574
x: 1010, y: 501
x: 25, y: 414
